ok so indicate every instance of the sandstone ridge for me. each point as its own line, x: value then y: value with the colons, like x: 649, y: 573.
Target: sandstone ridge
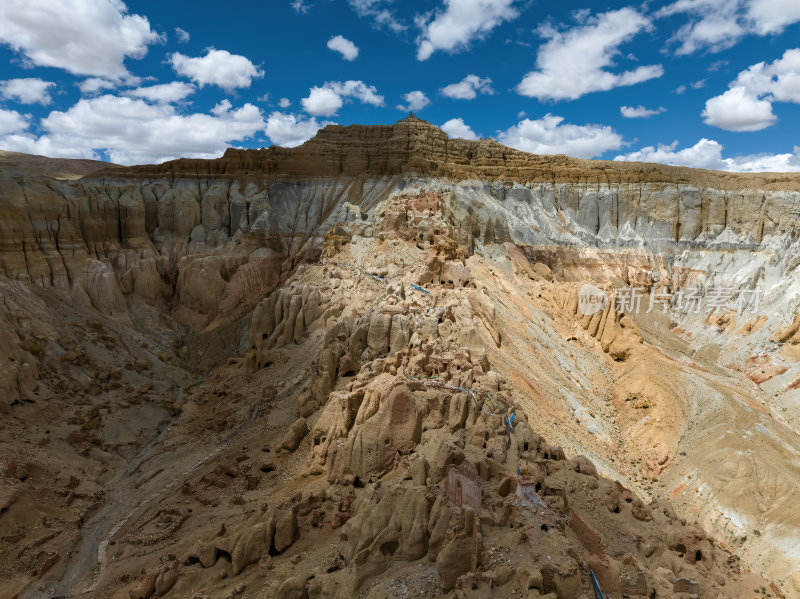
x: 415, y: 147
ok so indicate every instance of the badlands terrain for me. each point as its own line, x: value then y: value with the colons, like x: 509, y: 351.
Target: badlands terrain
x: 364, y: 368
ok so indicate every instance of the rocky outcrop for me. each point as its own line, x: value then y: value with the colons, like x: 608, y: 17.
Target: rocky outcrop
x: 397, y: 509
x: 413, y: 146
x: 616, y: 331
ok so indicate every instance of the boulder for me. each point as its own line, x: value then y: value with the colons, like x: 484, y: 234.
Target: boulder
x: 291, y: 440
x: 252, y: 544
x: 291, y: 588
x: 285, y: 529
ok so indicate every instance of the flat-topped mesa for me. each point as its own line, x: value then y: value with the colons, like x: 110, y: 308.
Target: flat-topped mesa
x: 415, y: 147
x: 408, y: 146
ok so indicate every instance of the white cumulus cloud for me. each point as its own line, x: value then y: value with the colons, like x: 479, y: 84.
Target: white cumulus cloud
x: 132, y: 130
x: 452, y: 28
x: 576, y: 62
x: 12, y: 122
x: 164, y: 92
x: 29, y: 90
x: 765, y: 162
x: 707, y: 154
x: 326, y: 100
x: 468, y: 88
x: 84, y: 37
x: 716, y: 25
x: 457, y: 128
x: 640, y: 112
x: 290, y: 130
x: 322, y: 101
x: 415, y: 100
x: 343, y: 46
x: 738, y: 110
x: 92, y: 85
x: 217, y: 67
x: 747, y: 105
x: 548, y: 135
x: 284, y: 102
x: 779, y: 79
x: 772, y: 16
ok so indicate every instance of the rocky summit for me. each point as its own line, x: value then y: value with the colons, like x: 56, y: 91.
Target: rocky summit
x: 391, y: 364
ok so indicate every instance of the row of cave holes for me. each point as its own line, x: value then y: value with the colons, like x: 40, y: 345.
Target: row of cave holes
x: 435, y: 233
x: 222, y: 554
x: 448, y: 282
x: 390, y: 547
x: 680, y: 549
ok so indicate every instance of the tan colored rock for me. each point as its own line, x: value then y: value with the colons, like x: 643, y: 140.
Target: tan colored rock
x: 165, y: 581
x: 419, y: 470
x: 461, y: 555
x: 291, y: 588
x: 583, y: 465
x: 379, y: 330
x: 144, y: 589
x: 371, y: 447
x: 294, y: 435
x: 253, y: 543
x: 285, y: 529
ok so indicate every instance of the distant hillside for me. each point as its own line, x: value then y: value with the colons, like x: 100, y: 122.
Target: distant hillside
x: 58, y: 168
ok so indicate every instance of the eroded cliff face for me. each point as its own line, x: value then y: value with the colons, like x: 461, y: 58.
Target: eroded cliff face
x: 205, y: 247
x: 303, y: 261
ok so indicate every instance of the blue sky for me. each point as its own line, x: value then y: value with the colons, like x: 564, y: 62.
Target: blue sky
x: 706, y: 83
